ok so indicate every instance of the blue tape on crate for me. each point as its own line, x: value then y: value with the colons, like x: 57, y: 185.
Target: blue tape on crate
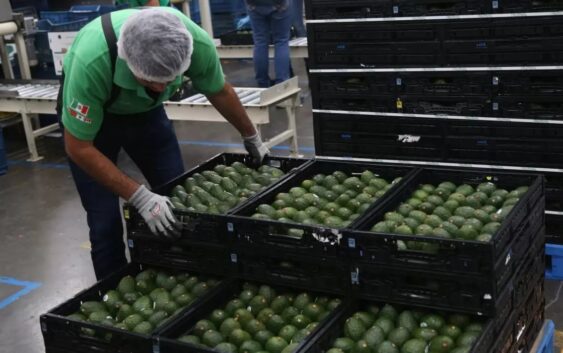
x: 546, y: 341
x: 554, y: 255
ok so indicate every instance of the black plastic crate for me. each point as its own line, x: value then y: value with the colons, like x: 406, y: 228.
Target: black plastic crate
x: 237, y: 37
x: 292, y: 269
x: 444, y: 105
x: 354, y: 135
x: 179, y: 254
x: 472, y: 42
x: 263, y: 235
x: 332, y: 9
x: 62, y: 334
x: 322, y: 341
x: 537, y: 108
x: 450, y: 291
x: 429, y: 83
x: 204, y: 227
x: 454, y: 255
x: 514, y: 329
x: 167, y: 342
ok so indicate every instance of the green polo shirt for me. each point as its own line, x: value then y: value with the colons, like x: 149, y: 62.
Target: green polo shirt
x: 137, y: 3
x: 88, y: 78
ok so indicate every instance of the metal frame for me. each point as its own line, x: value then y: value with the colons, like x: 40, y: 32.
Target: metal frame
x: 297, y: 47
x: 28, y: 98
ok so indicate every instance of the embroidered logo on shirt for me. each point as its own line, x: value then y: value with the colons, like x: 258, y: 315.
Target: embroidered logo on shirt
x: 79, y: 111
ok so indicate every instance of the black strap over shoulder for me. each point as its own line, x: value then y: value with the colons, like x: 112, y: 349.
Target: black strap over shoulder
x: 111, y: 41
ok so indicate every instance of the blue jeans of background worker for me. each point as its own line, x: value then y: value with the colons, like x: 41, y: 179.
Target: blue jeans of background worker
x: 270, y: 22
x: 149, y: 139
x: 297, y: 20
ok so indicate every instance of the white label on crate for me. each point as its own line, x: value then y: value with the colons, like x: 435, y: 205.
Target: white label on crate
x: 487, y: 296
x: 495, y: 81
x: 131, y: 243
x: 408, y: 139
x: 398, y: 81
x: 495, y: 4
x: 520, y: 333
x: 230, y: 227
x: 351, y: 243
x: 508, y: 258
x: 234, y: 258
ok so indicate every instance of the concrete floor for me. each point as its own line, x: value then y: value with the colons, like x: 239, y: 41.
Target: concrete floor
x: 43, y: 233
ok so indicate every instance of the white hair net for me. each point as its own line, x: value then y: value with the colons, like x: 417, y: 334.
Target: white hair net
x: 156, y: 45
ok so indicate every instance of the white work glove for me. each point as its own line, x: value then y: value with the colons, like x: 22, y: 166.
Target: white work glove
x: 156, y: 210
x: 256, y: 148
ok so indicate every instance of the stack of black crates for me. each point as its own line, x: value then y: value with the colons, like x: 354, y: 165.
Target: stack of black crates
x: 448, y: 83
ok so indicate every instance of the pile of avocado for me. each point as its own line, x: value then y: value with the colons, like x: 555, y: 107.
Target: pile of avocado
x: 142, y: 303
x: 261, y: 321
x: 219, y: 190
x: 386, y: 330
x: 334, y: 200
x: 450, y: 211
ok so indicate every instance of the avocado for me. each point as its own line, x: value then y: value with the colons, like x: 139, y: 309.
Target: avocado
x: 420, y: 194
x: 90, y: 307
x: 212, y: 338
x: 254, y: 326
x: 275, y: 323
x: 191, y: 339
x: 385, y: 323
x: 435, y: 200
x: 126, y: 285
x: 203, y: 326
x: 354, y: 328
x: 345, y: 344
x: 289, y: 312
x: 307, y: 184
x: 132, y: 321
x: 424, y: 229
x: 451, y: 331
x: 399, y: 336
x: 451, y: 205
x: 226, y: 347
x: 228, y: 325
x: 143, y: 328
x: 287, y: 332
x: 373, y: 337
x: 414, y: 345
x: 433, y: 221
x: 441, y: 344
x: 257, y: 303
x: 432, y: 321
x: 276, y: 345
x: 442, y: 212
x: 424, y: 333
x: 426, y: 207
x: 263, y: 336
x: 467, y: 338
x: 313, y: 311
x: 250, y: 347
x: 465, y: 212
x: 387, y: 347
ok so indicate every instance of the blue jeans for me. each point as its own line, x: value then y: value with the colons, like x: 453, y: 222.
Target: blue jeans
x: 149, y: 139
x: 297, y: 20
x: 270, y: 24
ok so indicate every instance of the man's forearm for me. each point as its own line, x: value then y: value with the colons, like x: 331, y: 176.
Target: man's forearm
x: 104, y: 171
x: 229, y: 105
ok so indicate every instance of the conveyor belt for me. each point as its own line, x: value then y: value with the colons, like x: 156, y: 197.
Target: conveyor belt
x: 49, y: 91
x: 30, y: 97
x: 46, y: 91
